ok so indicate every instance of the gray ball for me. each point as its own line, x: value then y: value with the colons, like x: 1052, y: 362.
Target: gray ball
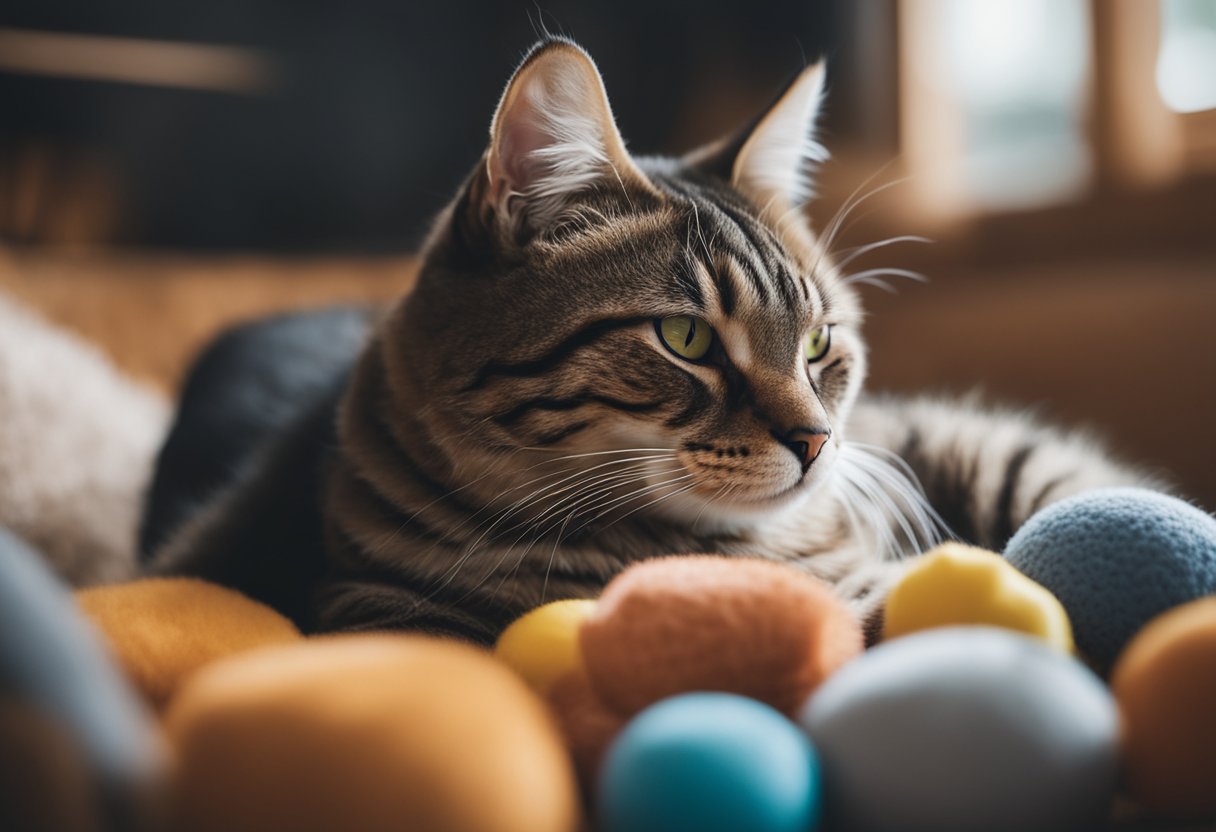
x: 964, y: 728
x: 78, y: 750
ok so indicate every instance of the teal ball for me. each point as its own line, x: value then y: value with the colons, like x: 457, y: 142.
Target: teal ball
x: 1117, y: 558
x: 961, y: 729
x: 709, y: 762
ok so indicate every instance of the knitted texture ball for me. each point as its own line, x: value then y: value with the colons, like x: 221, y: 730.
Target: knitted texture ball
x: 960, y: 729
x: 954, y: 584
x: 78, y: 750
x: 162, y: 630
x: 709, y: 762
x: 367, y: 733
x: 542, y: 645
x: 1117, y: 558
x: 1165, y: 684
x: 704, y: 623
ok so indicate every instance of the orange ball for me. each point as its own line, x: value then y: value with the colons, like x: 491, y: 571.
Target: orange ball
x: 588, y: 725
x: 164, y: 629
x: 707, y: 623
x: 1165, y: 684
x: 367, y: 733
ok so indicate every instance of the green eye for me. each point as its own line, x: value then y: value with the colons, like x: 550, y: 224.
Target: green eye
x: 818, y: 343
x: 687, y: 336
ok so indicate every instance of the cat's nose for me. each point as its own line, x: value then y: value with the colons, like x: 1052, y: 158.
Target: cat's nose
x: 806, y: 443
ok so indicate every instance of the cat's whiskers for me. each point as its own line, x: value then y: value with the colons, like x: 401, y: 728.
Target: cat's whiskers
x: 614, y: 504
x: 836, y: 224
x: 544, y: 588
x: 582, y: 478
x: 502, y: 514
x: 848, y: 255
x: 641, y: 491
x: 536, y: 532
x: 464, y: 523
x: 569, y: 475
x: 682, y: 490
x: 601, y: 490
x: 533, y: 540
x: 870, y: 277
x: 904, y: 484
x: 717, y: 495
x: 878, y: 495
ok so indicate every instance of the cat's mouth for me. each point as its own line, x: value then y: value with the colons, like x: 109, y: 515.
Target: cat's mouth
x: 776, y: 498
x: 737, y: 504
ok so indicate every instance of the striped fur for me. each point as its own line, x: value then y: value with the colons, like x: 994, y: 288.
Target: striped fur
x: 515, y: 431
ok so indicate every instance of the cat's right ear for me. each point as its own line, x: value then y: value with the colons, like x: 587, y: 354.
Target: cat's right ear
x: 553, y: 137
x: 771, y: 159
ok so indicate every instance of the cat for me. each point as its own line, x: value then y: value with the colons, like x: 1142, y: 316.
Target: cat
x: 607, y: 358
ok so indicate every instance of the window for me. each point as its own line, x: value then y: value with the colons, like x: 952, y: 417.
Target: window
x: 1186, y: 64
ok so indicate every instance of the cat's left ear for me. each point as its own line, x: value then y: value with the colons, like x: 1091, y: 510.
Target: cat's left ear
x: 772, y: 159
x: 553, y: 137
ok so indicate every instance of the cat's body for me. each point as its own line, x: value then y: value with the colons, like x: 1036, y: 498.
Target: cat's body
x: 608, y: 359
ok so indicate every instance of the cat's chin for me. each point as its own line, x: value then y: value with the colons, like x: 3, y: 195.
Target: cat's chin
x: 735, y: 512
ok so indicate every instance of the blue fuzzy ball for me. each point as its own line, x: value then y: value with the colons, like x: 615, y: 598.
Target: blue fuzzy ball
x: 1117, y: 558
x: 709, y: 762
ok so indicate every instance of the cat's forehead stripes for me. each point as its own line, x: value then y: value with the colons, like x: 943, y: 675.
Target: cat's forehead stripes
x: 743, y: 256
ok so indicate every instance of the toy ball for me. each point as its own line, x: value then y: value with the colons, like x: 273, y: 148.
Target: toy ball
x: 164, y: 629
x: 965, y: 728
x: 738, y: 625
x: 367, y: 733
x: 956, y: 584
x: 1117, y: 558
x: 709, y: 762
x: 542, y: 645
x: 78, y: 749
x: 1165, y: 684
x: 586, y: 723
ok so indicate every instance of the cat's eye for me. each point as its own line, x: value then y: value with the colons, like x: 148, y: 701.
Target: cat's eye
x: 687, y: 336
x: 818, y: 343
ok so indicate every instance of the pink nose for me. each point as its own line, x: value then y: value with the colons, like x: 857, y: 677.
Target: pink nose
x: 806, y: 444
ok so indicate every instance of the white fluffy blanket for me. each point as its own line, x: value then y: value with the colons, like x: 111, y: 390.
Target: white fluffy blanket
x: 77, y: 444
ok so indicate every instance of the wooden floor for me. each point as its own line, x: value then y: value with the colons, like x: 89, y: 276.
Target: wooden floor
x: 151, y: 312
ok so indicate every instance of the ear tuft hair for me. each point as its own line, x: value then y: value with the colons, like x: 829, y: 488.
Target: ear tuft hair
x: 781, y: 152
x: 553, y: 136
x: 772, y: 160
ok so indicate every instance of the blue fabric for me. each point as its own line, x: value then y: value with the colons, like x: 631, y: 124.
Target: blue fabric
x: 1117, y: 558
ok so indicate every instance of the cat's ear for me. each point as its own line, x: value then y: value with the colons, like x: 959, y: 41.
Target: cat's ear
x: 553, y: 137
x: 773, y: 158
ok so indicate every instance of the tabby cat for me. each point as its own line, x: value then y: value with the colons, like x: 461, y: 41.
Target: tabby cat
x: 608, y: 358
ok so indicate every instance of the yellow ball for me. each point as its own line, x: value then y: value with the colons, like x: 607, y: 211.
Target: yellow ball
x: 956, y: 584
x: 542, y: 645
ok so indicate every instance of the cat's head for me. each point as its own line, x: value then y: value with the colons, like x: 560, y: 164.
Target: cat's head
x: 672, y: 323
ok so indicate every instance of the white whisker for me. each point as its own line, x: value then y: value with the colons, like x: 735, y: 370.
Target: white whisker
x: 851, y: 254
x: 887, y: 497
x: 869, y: 274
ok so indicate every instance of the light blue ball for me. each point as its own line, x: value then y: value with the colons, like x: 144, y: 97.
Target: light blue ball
x: 1117, y: 558
x: 709, y: 762
x: 56, y: 675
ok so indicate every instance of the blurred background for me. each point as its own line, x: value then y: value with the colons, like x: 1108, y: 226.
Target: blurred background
x: 170, y: 167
